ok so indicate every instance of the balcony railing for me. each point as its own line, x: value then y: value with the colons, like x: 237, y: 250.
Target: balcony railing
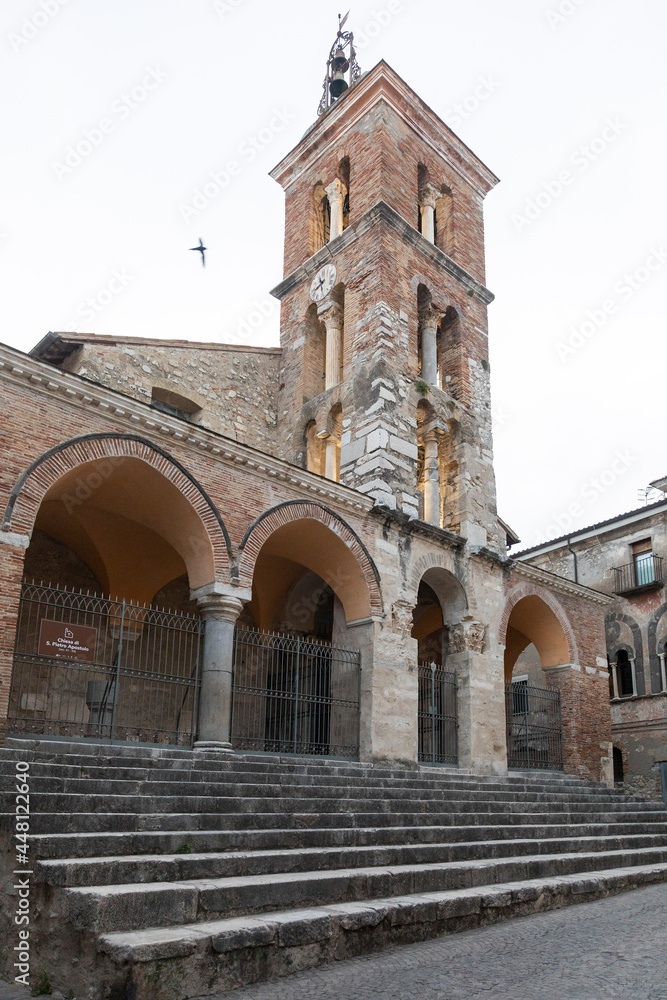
x: 644, y: 573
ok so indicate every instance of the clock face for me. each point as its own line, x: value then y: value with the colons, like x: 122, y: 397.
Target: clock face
x: 323, y: 282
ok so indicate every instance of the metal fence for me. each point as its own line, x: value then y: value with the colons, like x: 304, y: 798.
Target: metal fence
x: 294, y: 695
x: 534, y: 730
x: 86, y: 666
x: 437, y: 715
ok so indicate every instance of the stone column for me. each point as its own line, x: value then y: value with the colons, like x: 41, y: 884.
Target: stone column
x: 481, y: 698
x: 428, y: 328
x: 336, y: 192
x: 330, y: 457
x: 663, y: 673
x: 428, y: 197
x: 431, y: 479
x: 330, y: 454
x: 219, y: 612
x: 332, y: 315
x: 633, y: 668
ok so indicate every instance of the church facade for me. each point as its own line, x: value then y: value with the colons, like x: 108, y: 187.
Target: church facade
x: 297, y: 549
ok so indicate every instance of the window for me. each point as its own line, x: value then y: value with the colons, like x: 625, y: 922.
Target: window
x: 625, y: 675
x: 642, y: 558
x: 173, y: 403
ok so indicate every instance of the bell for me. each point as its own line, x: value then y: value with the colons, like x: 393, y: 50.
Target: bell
x: 338, y: 85
x: 340, y: 62
x: 339, y: 67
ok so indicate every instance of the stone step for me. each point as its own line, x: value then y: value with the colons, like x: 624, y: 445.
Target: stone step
x: 181, y: 839
x: 70, y: 821
x: 117, y: 870
x: 141, y: 905
x: 129, y: 755
x: 238, y: 768
x: 215, y: 956
x: 88, y: 785
x: 79, y: 802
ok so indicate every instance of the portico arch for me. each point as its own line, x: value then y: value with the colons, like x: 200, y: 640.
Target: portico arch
x: 315, y: 538
x: 535, y: 617
x: 118, y: 512
x: 105, y: 494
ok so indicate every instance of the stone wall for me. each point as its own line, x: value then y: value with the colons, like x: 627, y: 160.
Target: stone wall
x: 234, y: 387
x: 639, y: 731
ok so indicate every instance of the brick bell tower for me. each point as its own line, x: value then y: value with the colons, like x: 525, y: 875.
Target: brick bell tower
x: 385, y: 380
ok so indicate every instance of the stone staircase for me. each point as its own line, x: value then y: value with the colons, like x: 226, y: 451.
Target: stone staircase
x: 161, y: 874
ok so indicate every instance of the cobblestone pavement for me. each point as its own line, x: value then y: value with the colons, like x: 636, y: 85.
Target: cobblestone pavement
x: 613, y: 949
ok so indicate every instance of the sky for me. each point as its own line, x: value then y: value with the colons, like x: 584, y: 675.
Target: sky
x: 130, y: 128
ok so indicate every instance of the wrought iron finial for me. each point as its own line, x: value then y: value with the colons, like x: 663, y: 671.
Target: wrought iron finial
x: 342, y: 60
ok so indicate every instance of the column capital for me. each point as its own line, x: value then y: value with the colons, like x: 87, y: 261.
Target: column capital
x: 429, y: 195
x: 432, y: 431
x: 430, y: 316
x: 336, y: 191
x: 331, y: 313
x: 467, y: 636
x: 219, y: 607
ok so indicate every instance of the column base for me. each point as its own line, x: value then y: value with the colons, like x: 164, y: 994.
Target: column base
x: 214, y: 745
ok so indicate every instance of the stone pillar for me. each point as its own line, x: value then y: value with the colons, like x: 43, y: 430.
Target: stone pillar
x: 428, y: 197
x: 336, y: 192
x: 12, y: 557
x: 428, y: 328
x: 633, y: 668
x: 663, y: 673
x: 332, y: 315
x: 219, y: 612
x: 481, y: 698
x: 330, y: 459
x: 431, y: 479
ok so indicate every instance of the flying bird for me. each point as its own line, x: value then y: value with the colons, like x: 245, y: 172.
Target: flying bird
x: 202, y: 250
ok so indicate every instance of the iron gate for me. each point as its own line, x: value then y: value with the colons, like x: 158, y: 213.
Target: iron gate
x: 294, y: 695
x: 437, y: 715
x: 534, y: 730
x: 85, y: 666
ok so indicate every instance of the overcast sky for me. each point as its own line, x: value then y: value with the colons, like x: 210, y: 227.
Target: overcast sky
x: 116, y: 113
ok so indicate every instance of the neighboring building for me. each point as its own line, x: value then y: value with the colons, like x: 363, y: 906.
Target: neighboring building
x: 325, y: 511
x: 625, y: 557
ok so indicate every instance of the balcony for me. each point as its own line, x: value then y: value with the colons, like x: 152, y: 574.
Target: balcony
x: 645, y: 573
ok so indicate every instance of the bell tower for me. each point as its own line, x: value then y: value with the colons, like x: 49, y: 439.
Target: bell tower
x: 385, y: 380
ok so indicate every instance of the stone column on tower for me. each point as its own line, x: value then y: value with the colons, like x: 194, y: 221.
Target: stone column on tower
x: 336, y: 192
x: 428, y: 328
x: 428, y: 198
x: 332, y: 315
x: 431, y: 478
x: 330, y: 455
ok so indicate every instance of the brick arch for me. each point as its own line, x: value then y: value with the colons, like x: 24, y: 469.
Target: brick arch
x: 28, y: 493
x: 298, y: 510
x: 526, y: 590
